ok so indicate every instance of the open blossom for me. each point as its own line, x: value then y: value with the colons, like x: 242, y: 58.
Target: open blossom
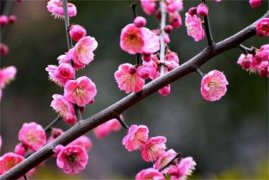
x: 106, y: 128
x: 32, y: 135
x: 82, y: 141
x: 172, y: 6
x: 77, y: 32
x: 137, y: 136
x: 153, y: 148
x: 138, y: 40
x: 149, y: 174
x: 66, y: 58
x: 55, y: 7
x: 183, y: 169
x: 128, y: 79
x: 8, y: 161
x: 61, y: 74
x: 255, y: 3
x: 194, y: 27
x: 213, y: 85
x: 245, y: 61
x: 6, y: 75
x: 164, y: 159
x: 65, y: 109
x: 80, y: 91
x: 83, y: 51
x: 171, y: 60
x: 148, y: 6
x: 262, y: 27
x: 72, y: 159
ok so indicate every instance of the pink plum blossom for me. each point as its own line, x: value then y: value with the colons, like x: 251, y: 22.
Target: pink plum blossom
x: 255, y: 3
x: 83, y: 51
x: 183, y: 169
x: 213, y: 85
x: 148, y: 6
x: 172, y: 6
x: 106, y: 128
x: 12, y: 19
x: 54, y: 133
x: 55, y: 7
x: 4, y: 50
x: 66, y: 58
x: 149, y: 174
x: 140, y: 21
x: 3, y: 20
x: 128, y: 79
x: 138, y: 40
x: 164, y: 159
x: 165, y: 91
x: 65, y: 109
x: 153, y: 148
x: 175, y: 20
x: 194, y: 27
x: 245, y: 61
x: 171, y: 60
x: 82, y: 141
x: 72, y: 159
x: 262, y: 27
x: 20, y: 149
x: 32, y: 135
x: 77, y: 32
x: 202, y: 9
x: 8, y: 161
x: 7, y: 74
x: 80, y: 91
x: 61, y: 74
x: 137, y: 136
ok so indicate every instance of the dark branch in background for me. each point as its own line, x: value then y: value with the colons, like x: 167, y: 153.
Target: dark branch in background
x: 178, y: 156
x: 209, y: 36
x: 90, y: 123
x: 246, y: 50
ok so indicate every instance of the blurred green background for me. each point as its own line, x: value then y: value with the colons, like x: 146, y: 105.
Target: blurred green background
x: 228, y: 139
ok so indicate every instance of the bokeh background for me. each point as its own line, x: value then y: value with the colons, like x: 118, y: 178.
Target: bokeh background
x: 228, y: 139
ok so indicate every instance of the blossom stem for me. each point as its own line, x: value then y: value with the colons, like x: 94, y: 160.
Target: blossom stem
x: 162, y: 48
x: 246, y: 49
x: 78, y: 112
x: 209, y: 36
x: 178, y: 156
x: 25, y: 177
x: 199, y: 72
x: 53, y: 122
x: 122, y: 122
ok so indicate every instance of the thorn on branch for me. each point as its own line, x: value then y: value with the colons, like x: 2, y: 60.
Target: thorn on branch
x: 122, y: 122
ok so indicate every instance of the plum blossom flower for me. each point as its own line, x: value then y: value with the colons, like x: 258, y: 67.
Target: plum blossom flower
x: 137, y: 136
x: 82, y: 141
x: 3, y: 20
x: 7, y: 74
x: 138, y: 40
x: 77, y: 32
x: 165, y: 91
x: 213, y: 85
x: 8, y: 161
x: 32, y: 135
x: 202, y: 9
x: 255, y: 3
x: 175, y: 20
x: 183, y: 169
x: 164, y: 159
x: 128, y: 79
x: 4, y: 50
x: 54, y: 133
x: 65, y: 109
x: 194, y: 27
x: 20, y: 149
x: 55, y: 7
x: 153, y: 148
x: 148, y: 6
x: 262, y: 27
x: 149, y: 174
x: 172, y: 6
x: 245, y: 61
x: 82, y: 53
x: 140, y: 21
x: 80, y: 91
x: 61, y: 74
x: 171, y: 60
x: 106, y: 128
x: 72, y: 159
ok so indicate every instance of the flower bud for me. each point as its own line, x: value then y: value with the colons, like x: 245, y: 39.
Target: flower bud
x: 202, y: 9
x: 3, y: 49
x: 12, y: 19
x: 77, y: 32
x: 140, y: 21
x: 3, y: 20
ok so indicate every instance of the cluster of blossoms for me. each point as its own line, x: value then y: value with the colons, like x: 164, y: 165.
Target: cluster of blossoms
x: 153, y: 149
x: 7, y: 74
x: 136, y: 39
x: 77, y: 91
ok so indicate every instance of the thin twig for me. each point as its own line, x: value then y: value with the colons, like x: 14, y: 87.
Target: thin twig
x: 246, y: 50
x: 90, y: 123
x: 199, y: 72
x: 53, y: 122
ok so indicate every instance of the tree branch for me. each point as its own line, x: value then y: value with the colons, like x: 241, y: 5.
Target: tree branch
x: 88, y: 124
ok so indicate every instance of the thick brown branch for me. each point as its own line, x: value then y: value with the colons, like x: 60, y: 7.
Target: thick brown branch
x: 88, y: 124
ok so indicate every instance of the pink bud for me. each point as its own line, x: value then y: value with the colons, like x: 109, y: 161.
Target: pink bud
x: 146, y: 57
x: 3, y: 49
x: 202, y: 9
x: 192, y: 11
x: 20, y: 149
x: 262, y: 27
x: 12, y: 19
x: 77, y: 32
x: 140, y: 21
x: 3, y: 20
x: 255, y: 3
x: 168, y: 29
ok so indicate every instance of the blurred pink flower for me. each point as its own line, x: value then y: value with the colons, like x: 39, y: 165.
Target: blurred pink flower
x: 165, y: 91
x: 172, y: 6
x: 149, y: 174
x: 164, y: 159
x: 80, y: 91
x: 106, y: 128
x: 194, y: 27
x: 8, y: 161
x: 55, y: 7
x: 148, y: 6
x: 255, y: 3
x: 4, y: 50
x: 262, y: 27
x: 213, y: 85
x: 7, y: 74
x: 77, y: 32
x: 54, y: 133
x: 175, y: 20
x: 20, y: 149
x: 82, y: 141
